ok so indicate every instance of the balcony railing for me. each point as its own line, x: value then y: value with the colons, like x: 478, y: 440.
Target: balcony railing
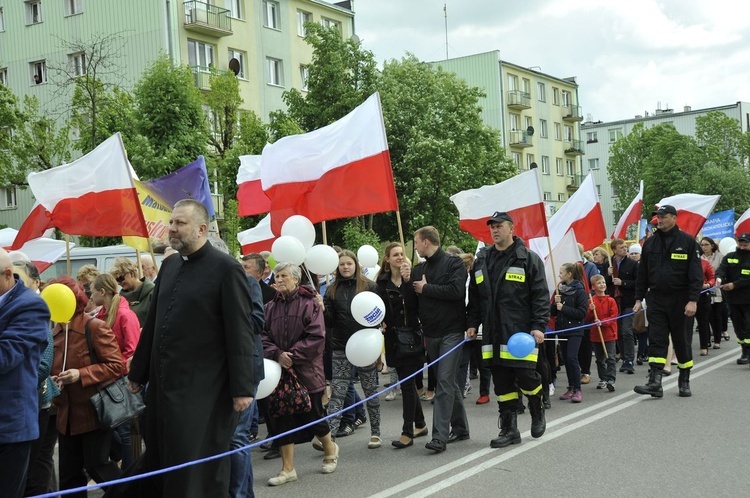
x: 574, y: 147
x: 207, y: 19
x: 520, y: 138
x: 519, y: 100
x: 575, y: 181
x: 572, y: 113
x: 202, y: 76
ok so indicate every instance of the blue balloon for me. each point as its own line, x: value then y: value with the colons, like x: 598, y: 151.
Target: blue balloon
x: 521, y: 344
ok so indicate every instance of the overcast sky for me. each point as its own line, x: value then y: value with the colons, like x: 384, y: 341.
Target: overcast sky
x: 627, y: 55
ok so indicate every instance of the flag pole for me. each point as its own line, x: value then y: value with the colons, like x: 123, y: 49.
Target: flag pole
x: 400, y: 228
x: 140, y: 266
x: 153, y: 257
x: 552, y: 264
x: 325, y: 235
x: 67, y: 254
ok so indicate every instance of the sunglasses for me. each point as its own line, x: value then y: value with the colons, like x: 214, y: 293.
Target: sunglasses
x: 120, y: 279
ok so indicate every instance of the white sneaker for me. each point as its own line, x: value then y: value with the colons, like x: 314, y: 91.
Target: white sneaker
x: 391, y: 395
x: 551, y: 389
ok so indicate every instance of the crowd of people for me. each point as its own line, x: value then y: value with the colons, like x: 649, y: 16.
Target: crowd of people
x: 191, y: 337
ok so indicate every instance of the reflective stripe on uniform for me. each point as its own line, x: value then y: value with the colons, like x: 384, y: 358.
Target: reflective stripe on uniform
x: 487, y: 352
x: 532, y: 393
x: 685, y: 365
x: 658, y: 361
x: 505, y: 354
x: 507, y: 397
x: 743, y: 341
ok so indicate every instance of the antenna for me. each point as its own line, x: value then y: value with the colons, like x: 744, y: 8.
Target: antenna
x: 445, y: 11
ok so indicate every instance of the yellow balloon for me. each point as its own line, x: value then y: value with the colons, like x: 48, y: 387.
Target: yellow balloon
x: 61, y: 302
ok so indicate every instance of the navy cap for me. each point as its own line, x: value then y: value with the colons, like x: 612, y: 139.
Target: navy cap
x: 499, y: 217
x: 744, y: 237
x: 665, y: 209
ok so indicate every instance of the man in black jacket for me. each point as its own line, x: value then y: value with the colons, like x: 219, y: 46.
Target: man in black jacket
x: 671, y: 278
x: 440, y: 284
x: 733, y: 275
x: 621, y: 276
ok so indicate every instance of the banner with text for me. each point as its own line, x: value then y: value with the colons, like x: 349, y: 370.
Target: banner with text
x: 719, y: 225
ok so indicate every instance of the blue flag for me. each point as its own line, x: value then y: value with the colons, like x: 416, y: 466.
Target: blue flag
x: 719, y: 225
x: 188, y: 182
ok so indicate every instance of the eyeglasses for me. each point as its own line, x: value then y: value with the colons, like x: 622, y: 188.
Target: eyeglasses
x: 120, y: 279
x: 705, y: 244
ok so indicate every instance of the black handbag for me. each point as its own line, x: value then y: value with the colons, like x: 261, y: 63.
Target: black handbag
x: 290, y: 396
x: 409, y: 341
x: 114, y: 404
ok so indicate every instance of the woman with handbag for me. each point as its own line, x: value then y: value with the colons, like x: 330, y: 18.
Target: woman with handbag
x: 404, y: 347
x: 83, y: 444
x: 115, y: 311
x: 294, y: 336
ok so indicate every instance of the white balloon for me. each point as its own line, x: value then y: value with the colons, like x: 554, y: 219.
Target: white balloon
x: 368, y: 309
x: 371, y: 273
x: 270, y: 381
x: 364, y: 347
x: 289, y: 249
x: 300, y: 227
x: 727, y: 245
x: 321, y: 259
x: 367, y: 256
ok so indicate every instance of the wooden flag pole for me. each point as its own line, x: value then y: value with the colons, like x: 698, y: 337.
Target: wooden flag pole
x: 67, y: 254
x: 552, y: 263
x: 400, y: 228
x: 153, y: 257
x: 599, y: 327
x: 325, y: 235
x: 140, y: 266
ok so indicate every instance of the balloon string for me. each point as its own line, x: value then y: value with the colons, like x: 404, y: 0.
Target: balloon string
x: 65, y: 353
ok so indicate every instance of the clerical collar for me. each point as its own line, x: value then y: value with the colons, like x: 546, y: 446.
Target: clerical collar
x: 199, y: 253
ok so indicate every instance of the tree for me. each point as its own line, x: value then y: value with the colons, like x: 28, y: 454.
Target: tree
x: 170, y: 118
x: 721, y: 139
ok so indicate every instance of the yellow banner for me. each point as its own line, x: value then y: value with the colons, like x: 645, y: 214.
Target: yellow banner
x: 156, y: 213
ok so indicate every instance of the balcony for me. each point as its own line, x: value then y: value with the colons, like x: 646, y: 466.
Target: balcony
x: 207, y: 19
x: 519, y: 100
x: 202, y: 76
x: 574, y: 147
x: 520, y: 138
x: 575, y: 181
x: 572, y: 113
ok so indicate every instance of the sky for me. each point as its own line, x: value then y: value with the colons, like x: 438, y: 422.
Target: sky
x: 628, y: 56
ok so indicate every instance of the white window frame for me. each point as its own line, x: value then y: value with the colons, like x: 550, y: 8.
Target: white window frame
x: 77, y: 63
x: 559, y: 166
x: 73, y: 7
x: 241, y: 57
x: 570, y: 168
x: 517, y: 160
x: 515, y: 122
x: 512, y: 82
x: 202, y: 55
x: 529, y: 160
x: 555, y: 96
x: 545, y: 165
x: 9, y: 198
x: 302, y: 17
x: 591, y: 137
x: 541, y: 91
x: 40, y: 68
x: 594, y: 163
x: 304, y: 76
x: 274, y: 71
x: 529, y: 122
x: 615, y: 134
x: 548, y: 196
x: 526, y: 85
x: 569, y: 133
x: 271, y: 14
x: 558, y: 131
x: 327, y: 23
x: 235, y: 8
x: 34, y: 13
x: 560, y: 197
x: 4, y: 76
x: 543, y: 128
x: 566, y: 98
x: 2, y: 20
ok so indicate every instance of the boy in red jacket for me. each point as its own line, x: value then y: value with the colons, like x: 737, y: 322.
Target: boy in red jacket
x: 606, y: 308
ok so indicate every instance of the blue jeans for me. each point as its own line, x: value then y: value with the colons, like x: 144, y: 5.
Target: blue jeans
x: 241, y: 477
x: 569, y: 350
x: 121, y: 434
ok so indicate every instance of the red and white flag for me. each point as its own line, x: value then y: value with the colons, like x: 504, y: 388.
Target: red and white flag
x: 583, y: 214
x: 631, y: 215
x: 259, y: 238
x: 692, y: 210
x: 565, y: 251
x: 43, y: 252
x: 251, y: 199
x: 520, y: 197
x: 93, y: 195
x: 338, y: 171
x: 743, y: 224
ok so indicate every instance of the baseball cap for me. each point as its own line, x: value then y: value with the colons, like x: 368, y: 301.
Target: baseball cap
x: 744, y: 237
x: 634, y: 249
x: 665, y: 209
x: 499, y: 217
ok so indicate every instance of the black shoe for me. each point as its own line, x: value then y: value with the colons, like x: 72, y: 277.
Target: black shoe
x: 266, y: 446
x: 421, y: 431
x: 473, y: 376
x: 665, y: 373
x: 639, y: 361
x: 546, y: 403
x: 627, y: 367
x: 436, y: 445
x: 653, y: 387
x: 344, y: 431
x: 452, y: 438
x: 509, y: 433
x: 744, y: 359
x: 683, y: 384
x: 399, y: 445
x: 521, y: 409
x: 272, y: 454
x: 388, y: 384
x: 359, y: 421
x: 538, y: 421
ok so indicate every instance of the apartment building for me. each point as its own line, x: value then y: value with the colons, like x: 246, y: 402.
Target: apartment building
x: 538, y: 116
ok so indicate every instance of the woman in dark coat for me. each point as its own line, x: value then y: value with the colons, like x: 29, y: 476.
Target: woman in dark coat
x: 401, y: 311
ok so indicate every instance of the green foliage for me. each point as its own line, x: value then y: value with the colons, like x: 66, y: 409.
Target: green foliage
x: 354, y: 235
x: 231, y: 227
x: 223, y: 102
x: 282, y: 125
x: 86, y: 241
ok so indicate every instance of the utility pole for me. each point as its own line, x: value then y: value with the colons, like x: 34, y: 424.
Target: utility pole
x: 445, y: 11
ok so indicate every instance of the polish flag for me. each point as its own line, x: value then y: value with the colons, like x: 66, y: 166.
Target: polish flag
x: 250, y: 196
x: 338, y: 171
x: 93, y: 195
x: 259, y: 238
x: 583, y: 214
x: 565, y: 251
x: 43, y: 252
x: 631, y: 216
x: 743, y: 224
x: 692, y: 210
x: 520, y: 197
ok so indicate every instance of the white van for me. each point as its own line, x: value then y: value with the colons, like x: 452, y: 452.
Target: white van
x: 101, y: 257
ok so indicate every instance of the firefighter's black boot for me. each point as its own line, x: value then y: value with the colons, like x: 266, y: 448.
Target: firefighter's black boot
x: 538, y: 422
x: 683, y: 383
x: 745, y: 358
x: 508, y: 430
x: 653, y: 387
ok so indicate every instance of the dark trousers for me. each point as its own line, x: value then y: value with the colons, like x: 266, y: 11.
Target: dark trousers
x: 551, y: 355
x: 716, y: 322
x: 431, y: 379
x: 606, y: 367
x: 412, y: 407
x: 703, y: 316
x: 509, y: 380
x: 569, y: 351
x: 741, y: 321
x: 666, y: 317
x: 38, y: 477
x: 89, y: 451
x: 584, y: 355
x: 14, y: 461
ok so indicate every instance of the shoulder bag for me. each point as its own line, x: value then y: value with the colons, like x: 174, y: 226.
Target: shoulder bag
x: 290, y: 396
x: 114, y: 404
x: 409, y: 341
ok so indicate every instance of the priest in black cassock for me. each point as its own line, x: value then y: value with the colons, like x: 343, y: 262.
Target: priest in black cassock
x: 196, y: 353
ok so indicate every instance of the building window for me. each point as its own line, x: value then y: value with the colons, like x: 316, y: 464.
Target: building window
x: 591, y: 137
x: 548, y: 196
x: 200, y: 55
x: 566, y: 98
x: 541, y: 91
x: 304, y: 76
x: 270, y: 14
x: 529, y: 160
x: 275, y: 72
x: 77, y: 63
x: 38, y: 72
x: 594, y: 163
x: 241, y: 57
x: 615, y: 135
x: 8, y: 198
x: 561, y: 197
x: 555, y: 96
x: 33, y: 12
x: 517, y: 160
x: 512, y: 82
x: 570, y: 168
x: 527, y: 85
x: 599, y: 190
x: 529, y: 122
x: 515, y: 122
x: 568, y: 132
x: 543, y: 128
x: 330, y: 23
x: 73, y: 7
x: 302, y: 18
x: 234, y: 7
x: 4, y: 76
x: 545, y: 165
x: 2, y: 21
x: 558, y: 166
x: 558, y: 131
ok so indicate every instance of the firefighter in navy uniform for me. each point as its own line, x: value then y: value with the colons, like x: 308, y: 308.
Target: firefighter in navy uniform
x: 670, y: 278
x: 507, y: 294
x: 733, y: 275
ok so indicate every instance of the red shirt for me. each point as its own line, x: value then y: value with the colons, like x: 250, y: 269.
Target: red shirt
x: 126, y: 328
x: 606, y: 307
